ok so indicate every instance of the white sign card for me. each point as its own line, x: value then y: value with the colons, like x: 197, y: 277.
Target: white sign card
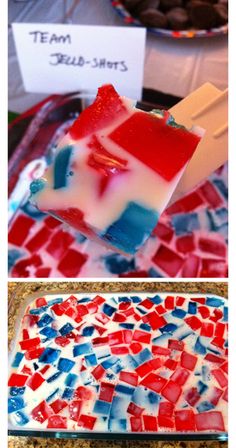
x: 66, y: 58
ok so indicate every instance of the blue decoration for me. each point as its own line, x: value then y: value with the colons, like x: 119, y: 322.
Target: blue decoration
x: 52, y: 395
x: 117, y: 264
x: 102, y: 407
x: 66, y: 329
x: 214, y: 302
x: 199, y: 348
x: 49, y: 332
x: 192, y: 308
x: 61, y: 167
x: 205, y: 406
x: 178, y: 312
x: 91, y: 360
x: 71, y: 379
x: 88, y: 331
x: 169, y: 328
x: 65, y: 364
x: 108, y: 309
x: 82, y: 349
x: 21, y: 418
x: 68, y: 393
x: 185, y: 223
x: 14, y: 391
x: 17, y: 360
x: 132, y: 228
x: 54, y: 377
x: 44, y: 320
x: 120, y: 388
x: 49, y: 355
x: 202, y: 387
x: 37, y: 185
x: 14, y: 404
x: 136, y: 299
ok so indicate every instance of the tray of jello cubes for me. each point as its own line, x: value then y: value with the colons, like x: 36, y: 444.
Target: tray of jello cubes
x: 127, y: 365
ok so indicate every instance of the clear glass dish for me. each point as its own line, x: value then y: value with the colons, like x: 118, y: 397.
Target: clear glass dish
x: 21, y: 295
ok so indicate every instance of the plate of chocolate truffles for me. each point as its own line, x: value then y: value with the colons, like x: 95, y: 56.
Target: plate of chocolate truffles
x: 176, y: 18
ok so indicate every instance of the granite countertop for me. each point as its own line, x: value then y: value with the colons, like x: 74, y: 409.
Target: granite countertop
x: 17, y: 292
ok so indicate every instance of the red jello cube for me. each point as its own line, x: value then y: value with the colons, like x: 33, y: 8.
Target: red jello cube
x: 87, y: 421
x: 28, y: 344
x: 162, y: 351
x: 41, y: 301
x: 44, y: 369
x: 192, y: 396
x: 213, y: 358
x: 180, y: 376
x: 164, y: 232
x: 165, y: 414
x: 169, y: 302
x: 100, y: 341
x: 39, y: 239
x: 171, y: 364
x: 127, y: 335
x: 219, y: 330
x: 120, y: 350
x: 58, y: 405
x: 83, y: 393
x: 144, y: 369
x: 224, y: 367
x: 220, y: 377
x: 216, y: 315
x: 218, y: 342
x: 116, y: 338
x: 214, y: 268
x: 59, y: 244
x: 210, y: 194
x: 141, y: 336
x: 134, y: 409
x: 57, y: 421
x: 23, y: 267
x: 154, y: 382
x: 209, y: 421
x: 207, y: 329
x: 174, y: 344
x: 75, y: 407
x: 20, y: 230
x: 41, y: 412
x: 62, y: 341
x: 42, y: 272
x: 215, y: 395
x: 35, y: 381
x: 17, y: 380
x: 193, y: 322
x: 184, y: 420
x: 204, y: 311
x: 98, y: 372
x: 118, y: 317
x: 136, y: 424
x: 154, y: 320
x: 135, y: 347
x: 26, y: 370
x: 168, y: 260
x: 191, y: 266
x: 160, y: 309
x: 185, y: 244
x: 150, y: 423
x: 106, y: 391
x: 147, y: 303
x: 129, y: 377
x: 180, y: 301
x: 51, y: 222
x: 35, y: 353
x: 188, y: 361
x: 25, y: 334
x: 186, y: 204
x: 213, y: 246
x: 72, y: 263
x: 225, y: 395
x: 171, y: 391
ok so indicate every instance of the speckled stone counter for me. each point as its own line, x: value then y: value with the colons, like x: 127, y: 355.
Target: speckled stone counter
x: 19, y: 291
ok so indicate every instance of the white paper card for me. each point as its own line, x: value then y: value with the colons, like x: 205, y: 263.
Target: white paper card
x: 65, y: 58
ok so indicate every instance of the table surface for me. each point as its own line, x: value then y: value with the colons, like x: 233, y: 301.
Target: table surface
x: 27, y: 288
x: 175, y: 66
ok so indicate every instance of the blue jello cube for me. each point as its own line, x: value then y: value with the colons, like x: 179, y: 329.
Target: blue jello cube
x: 49, y: 332
x: 102, y: 407
x: 154, y: 273
x: 199, y: 348
x: 68, y: 393
x: 109, y: 362
x: 219, y: 183
x: 84, y: 300
x: 49, y: 355
x: 127, y: 326
x: 82, y: 349
x: 17, y: 360
x: 185, y: 223
x: 124, y: 299
x: 21, y: 418
x: 71, y: 379
x: 205, y: 406
x: 88, y: 331
x: 14, y: 404
x: 143, y: 356
x: 202, y: 387
x: 178, y: 312
x: 65, y: 364
x: 52, y: 396
x: 129, y: 362
x: 45, y: 320
x: 145, y: 327
x: 54, y: 377
x: 66, y: 329
x: 156, y: 299
x: 132, y: 228
x: 118, y: 407
x: 61, y: 167
x: 35, y: 365
x: 214, y: 302
x: 55, y: 301
x: 91, y: 360
x: 117, y: 367
x: 37, y: 311
x: 192, y: 308
x: 169, y: 328
x: 14, y: 391
x: 136, y: 299
x: 117, y: 264
x: 108, y: 309
x: 119, y: 425
x: 120, y: 388
x: 225, y: 311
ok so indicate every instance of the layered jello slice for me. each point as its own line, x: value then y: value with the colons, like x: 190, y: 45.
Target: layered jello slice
x: 152, y: 363
x: 115, y: 171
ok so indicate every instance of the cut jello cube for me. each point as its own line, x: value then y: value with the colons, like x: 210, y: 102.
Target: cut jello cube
x: 115, y: 171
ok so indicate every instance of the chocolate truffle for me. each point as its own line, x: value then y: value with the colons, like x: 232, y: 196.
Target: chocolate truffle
x: 202, y: 15
x: 153, y: 18
x: 178, y: 19
x: 166, y: 5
